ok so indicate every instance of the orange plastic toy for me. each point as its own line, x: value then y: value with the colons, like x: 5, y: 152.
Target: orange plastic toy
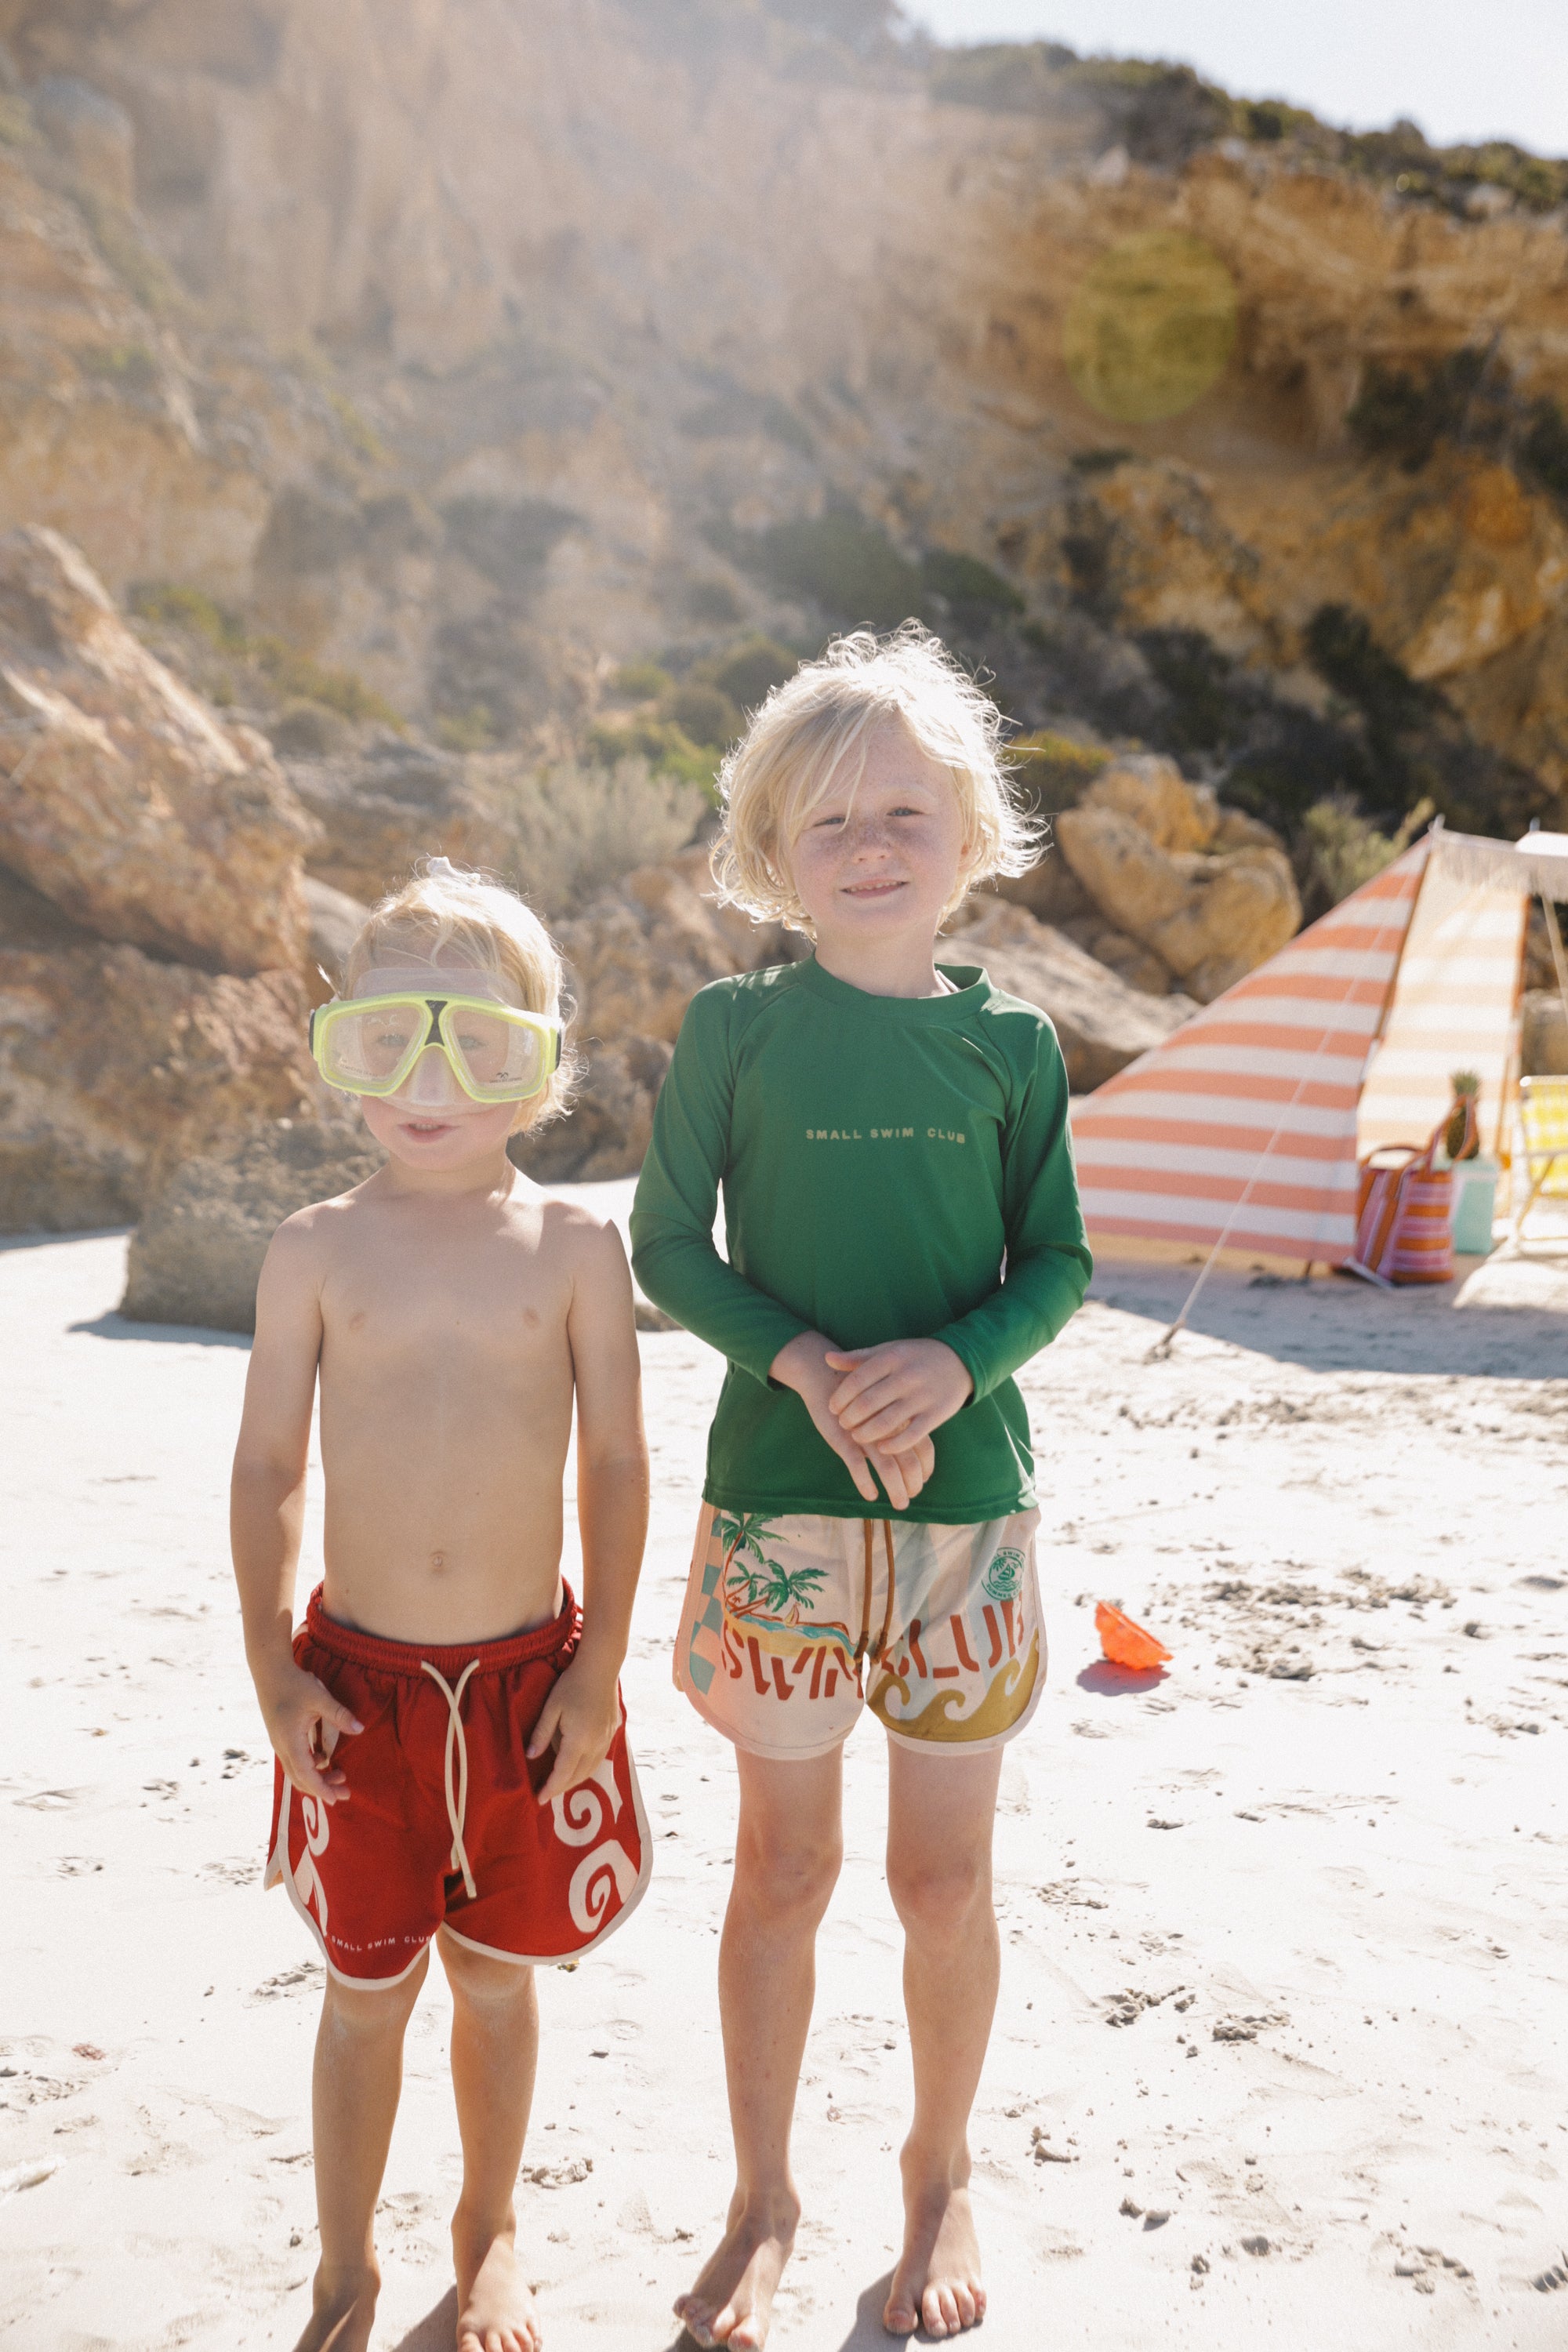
x: 1125, y: 1643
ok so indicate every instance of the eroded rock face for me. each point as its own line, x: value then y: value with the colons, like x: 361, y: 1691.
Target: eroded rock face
x: 1160, y: 801
x: 639, y: 954
x: 122, y: 799
x: 114, y: 1069
x: 1101, y: 1022
x: 196, y: 1256
x: 397, y: 802
x: 336, y: 921
x: 1210, y: 919
x: 607, y: 1130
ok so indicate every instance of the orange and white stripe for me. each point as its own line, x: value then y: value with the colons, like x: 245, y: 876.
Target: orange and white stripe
x: 1243, y: 1123
x: 1455, y: 1004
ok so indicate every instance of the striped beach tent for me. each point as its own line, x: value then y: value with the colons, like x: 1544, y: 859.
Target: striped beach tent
x: 1240, y: 1133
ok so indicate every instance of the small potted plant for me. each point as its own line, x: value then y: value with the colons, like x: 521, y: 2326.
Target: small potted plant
x: 1461, y: 1135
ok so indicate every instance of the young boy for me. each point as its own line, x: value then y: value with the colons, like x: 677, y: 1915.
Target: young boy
x: 903, y: 1232
x: 452, y: 1761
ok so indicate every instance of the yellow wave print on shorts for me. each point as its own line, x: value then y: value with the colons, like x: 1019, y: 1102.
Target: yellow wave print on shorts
x: 792, y: 1625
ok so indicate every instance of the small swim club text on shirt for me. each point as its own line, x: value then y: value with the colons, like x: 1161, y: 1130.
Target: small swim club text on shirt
x: 881, y: 1134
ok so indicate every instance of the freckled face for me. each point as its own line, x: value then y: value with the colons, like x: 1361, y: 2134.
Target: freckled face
x: 884, y: 861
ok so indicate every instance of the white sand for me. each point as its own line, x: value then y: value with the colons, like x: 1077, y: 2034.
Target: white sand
x: 1371, y: 1863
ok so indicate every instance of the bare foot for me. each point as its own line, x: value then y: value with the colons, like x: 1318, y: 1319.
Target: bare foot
x: 937, y: 2284
x: 343, y: 2308
x: 732, y: 2301
x: 495, y: 2305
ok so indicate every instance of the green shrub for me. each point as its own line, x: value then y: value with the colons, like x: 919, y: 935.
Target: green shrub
x: 714, y: 602
x: 749, y: 671
x: 1337, y: 849
x: 704, y: 713
x: 291, y: 672
x: 642, y: 681
x: 1346, y: 655
x: 665, y: 748
x: 973, y: 592
x: 842, y: 563
x: 1053, y: 772
x: 1405, y: 415
x: 173, y: 606
x: 473, y: 730
x: 579, y: 827
x: 1200, y: 680
x: 341, y: 690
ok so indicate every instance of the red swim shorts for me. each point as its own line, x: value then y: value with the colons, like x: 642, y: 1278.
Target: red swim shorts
x: 441, y: 1826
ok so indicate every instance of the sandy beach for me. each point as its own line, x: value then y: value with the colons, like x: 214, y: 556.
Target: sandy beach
x: 1282, y: 2051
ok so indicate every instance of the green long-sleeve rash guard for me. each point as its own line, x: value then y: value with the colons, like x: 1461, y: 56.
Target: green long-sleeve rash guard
x: 883, y: 1159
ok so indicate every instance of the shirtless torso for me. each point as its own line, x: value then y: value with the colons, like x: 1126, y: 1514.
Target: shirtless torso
x: 453, y: 1318
x: 445, y: 1406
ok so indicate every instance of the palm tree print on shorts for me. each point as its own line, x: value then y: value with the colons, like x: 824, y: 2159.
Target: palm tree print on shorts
x: 759, y: 1595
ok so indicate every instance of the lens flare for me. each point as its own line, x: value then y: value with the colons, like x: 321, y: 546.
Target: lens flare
x: 1151, y: 328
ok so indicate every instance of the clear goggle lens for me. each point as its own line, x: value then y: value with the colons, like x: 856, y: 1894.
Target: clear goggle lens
x: 369, y: 1046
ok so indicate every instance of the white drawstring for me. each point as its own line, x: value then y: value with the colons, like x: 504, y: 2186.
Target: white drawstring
x: 457, y: 1800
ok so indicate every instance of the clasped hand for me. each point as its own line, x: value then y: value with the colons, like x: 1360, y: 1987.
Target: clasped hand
x: 881, y: 1416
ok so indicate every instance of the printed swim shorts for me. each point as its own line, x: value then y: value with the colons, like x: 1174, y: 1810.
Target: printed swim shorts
x: 441, y: 1826
x: 791, y: 1626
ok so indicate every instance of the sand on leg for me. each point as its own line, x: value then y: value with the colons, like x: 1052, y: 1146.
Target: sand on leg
x: 495, y: 2051
x: 357, y: 2080
x: 940, y: 1809
x: 788, y: 1848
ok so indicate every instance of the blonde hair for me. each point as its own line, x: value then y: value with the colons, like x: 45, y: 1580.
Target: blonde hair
x: 445, y: 908
x: 821, y: 722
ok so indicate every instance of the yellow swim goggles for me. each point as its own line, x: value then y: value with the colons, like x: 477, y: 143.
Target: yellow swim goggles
x: 370, y: 1044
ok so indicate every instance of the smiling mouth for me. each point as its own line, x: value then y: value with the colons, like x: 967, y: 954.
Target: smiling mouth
x: 428, y: 1126
x: 871, y: 889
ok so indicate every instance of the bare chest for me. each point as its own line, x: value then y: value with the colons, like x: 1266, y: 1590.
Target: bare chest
x: 445, y: 1316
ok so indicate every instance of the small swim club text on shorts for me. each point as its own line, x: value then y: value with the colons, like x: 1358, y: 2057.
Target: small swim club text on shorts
x: 441, y: 1826
x: 791, y: 1626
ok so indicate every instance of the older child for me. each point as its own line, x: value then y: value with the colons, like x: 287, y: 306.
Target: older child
x: 452, y: 1762
x: 902, y: 1232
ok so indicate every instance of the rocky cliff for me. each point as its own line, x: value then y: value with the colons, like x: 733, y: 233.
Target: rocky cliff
x: 444, y: 358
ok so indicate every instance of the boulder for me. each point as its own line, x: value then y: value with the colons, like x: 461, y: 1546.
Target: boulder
x: 640, y: 953
x: 606, y: 1131
x: 114, y: 1067
x: 1543, y: 1034
x: 1211, y: 919
x: 396, y: 801
x: 1050, y: 890
x: 335, y: 921
x: 1158, y: 798
x: 196, y: 1254
x: 1138, y: 966
x: 1101, y: 1022
x: 122, y: 797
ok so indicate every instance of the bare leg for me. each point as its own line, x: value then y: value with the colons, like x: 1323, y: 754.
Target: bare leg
x: 939, y: 1810
x: 788, y: 1847
x: 495, y: 2047
x: 358, y: 2076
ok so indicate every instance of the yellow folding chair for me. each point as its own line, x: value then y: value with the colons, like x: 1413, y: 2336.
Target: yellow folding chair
x: 1542, y: 1156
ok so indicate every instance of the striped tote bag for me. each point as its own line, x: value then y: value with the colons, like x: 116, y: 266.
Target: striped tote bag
x: 1405, y: 1222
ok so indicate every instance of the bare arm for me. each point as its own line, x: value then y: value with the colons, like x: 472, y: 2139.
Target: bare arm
x: 583, y: 1712
x: 267, y: 1509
